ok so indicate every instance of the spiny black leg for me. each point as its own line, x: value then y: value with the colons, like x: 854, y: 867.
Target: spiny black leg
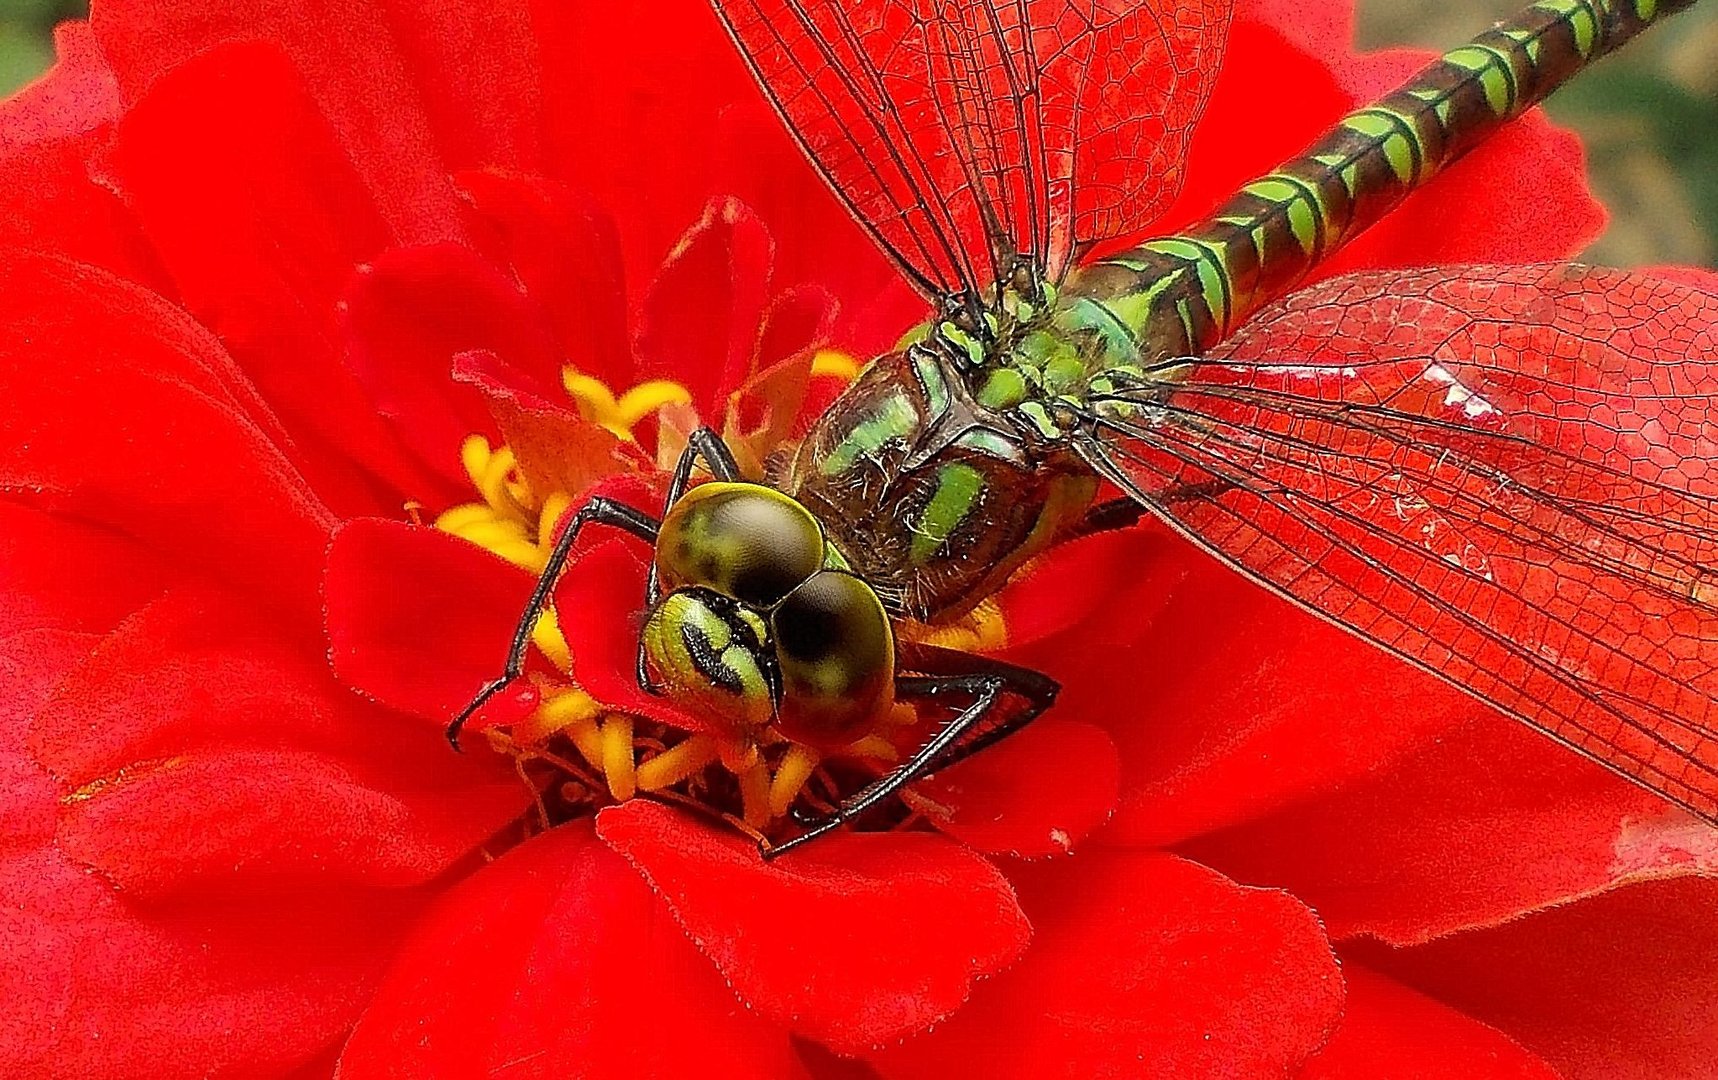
x: 598, y: 511
x: 987, y: 681
x: 703, y: 444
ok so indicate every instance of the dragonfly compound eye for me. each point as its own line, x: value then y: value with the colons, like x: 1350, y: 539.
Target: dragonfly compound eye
x: 836, y: 651
x: 708, y: 652
x: 743, y: 540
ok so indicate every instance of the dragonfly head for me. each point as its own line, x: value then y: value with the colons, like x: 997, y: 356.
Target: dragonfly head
x: 763, y: 626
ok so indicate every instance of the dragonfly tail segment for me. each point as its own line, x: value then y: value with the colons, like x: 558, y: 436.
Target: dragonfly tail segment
x: 1182, y: 294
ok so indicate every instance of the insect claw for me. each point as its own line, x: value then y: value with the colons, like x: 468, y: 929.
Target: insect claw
x: 457, y: 724
x: 823, y: 825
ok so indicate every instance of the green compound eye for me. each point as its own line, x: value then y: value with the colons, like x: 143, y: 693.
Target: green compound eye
x: 837, y: 656
x: 710, y: 655
x: 745, y: 541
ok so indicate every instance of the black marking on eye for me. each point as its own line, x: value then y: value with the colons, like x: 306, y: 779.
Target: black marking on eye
x: 742, y: 634
x: 708, y: 661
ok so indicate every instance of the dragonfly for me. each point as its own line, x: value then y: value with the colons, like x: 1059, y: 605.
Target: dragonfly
x: 1521, y: 508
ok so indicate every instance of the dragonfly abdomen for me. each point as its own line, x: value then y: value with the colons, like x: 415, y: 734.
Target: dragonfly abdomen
x: 1182, y: 294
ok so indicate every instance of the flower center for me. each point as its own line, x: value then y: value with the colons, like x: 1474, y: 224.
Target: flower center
x: 577, y: 754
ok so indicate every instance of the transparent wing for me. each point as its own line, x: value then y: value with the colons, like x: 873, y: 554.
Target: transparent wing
x: 1506, y: 476
x: 961, y: 132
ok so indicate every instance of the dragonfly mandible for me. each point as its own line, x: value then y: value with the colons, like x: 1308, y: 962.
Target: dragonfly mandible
x: 1522, y: 510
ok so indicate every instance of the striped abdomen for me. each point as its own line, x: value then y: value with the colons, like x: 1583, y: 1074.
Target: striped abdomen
x: 1184, y: 293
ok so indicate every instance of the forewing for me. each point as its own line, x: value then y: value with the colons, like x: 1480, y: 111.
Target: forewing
x: 963, y: 131
x: 1503, y: 475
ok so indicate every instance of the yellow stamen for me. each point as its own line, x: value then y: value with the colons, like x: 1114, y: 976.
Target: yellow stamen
x: 832, y: 362
x: 492, y: 482
x: 875, y: 747
x: 474, y: 454
x: 790, y: 777
x: 617, y: 760
x: 546, y: 635
x: 557, y: 712
x: 738, y: 755
x: 554, y: 507
x: 646, y: 398
x: 592, y: 395
x: 458, y: 518
x: 679, y: 762
x: 587, y: 738
x: 755, y: 795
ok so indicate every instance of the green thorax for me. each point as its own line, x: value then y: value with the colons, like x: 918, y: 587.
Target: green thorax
x: 1039, y: 348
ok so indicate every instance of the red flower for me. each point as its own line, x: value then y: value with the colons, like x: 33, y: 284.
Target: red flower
x: 267, y: 271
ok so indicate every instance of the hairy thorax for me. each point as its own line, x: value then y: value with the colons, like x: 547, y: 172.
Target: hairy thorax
x: 932, y: 497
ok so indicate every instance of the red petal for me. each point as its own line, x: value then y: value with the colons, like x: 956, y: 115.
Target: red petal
x: 1389, y: 1032
x: 104, y: 988
x: 352, y: 63
x: 60, y: 573
x: 198, y: 747
x: 96, y: 985
x: 1143, y: 965
x: 564, y: 249
x: 47, y: 133
x: 32, y: 663
x: 418, y: 619
x: 258, y: 216
x: 183, y: 458
x: 711, y: 133
x: 1038, y: 792
x: 1231, y: 147
x: 1085, y: 585
x: 599, y: 605
x: 1324, y: 30
x: 556, y: 448
x: 1239, y: 703
x: 1698, y: 277
x: 853, y: 941
x: 556, y: 961
x: 1480, y: 826
x: 764, y: 412
x: 409, y: 314
x: 473, y: 66
x: 705, y: 311
x: 1616, y: 987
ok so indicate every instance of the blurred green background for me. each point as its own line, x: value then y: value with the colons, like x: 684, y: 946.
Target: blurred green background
x: 25, y: 29
x: 1649, y: 116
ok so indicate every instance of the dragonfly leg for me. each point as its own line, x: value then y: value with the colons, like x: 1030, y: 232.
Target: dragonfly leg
x: 598, y: 511
x: 1122, y: 512
x: 987, y: 719
x: 1108, y: 516
x: 704, y: 444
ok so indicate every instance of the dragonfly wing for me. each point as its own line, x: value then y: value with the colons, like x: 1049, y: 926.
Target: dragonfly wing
x: 1506, y: 476
x: 962, y: 131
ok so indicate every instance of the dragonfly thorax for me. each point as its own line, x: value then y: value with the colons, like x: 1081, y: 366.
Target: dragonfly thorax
x: 1038, y: 356
x: 934, y: 496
